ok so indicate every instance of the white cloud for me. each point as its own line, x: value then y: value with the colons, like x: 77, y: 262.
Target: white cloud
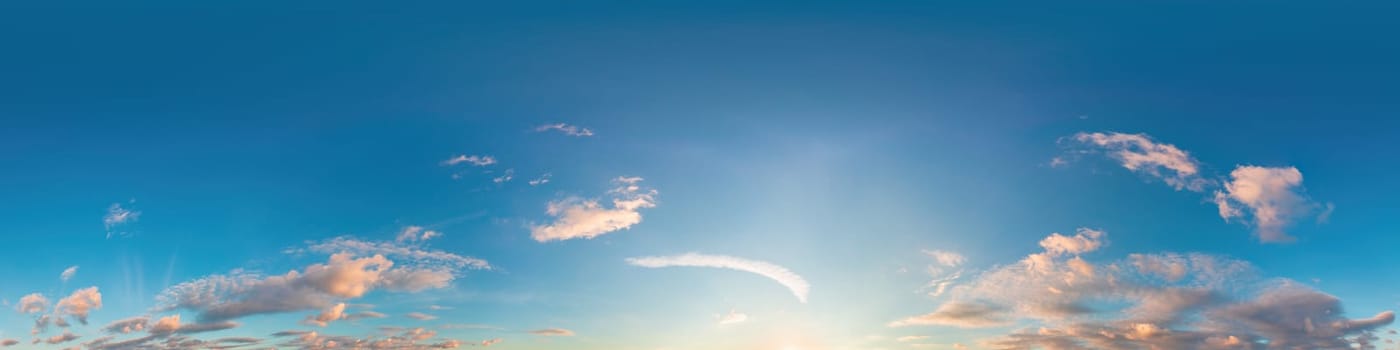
x: 415, y: 234
x: 490, y: 342
x: 1141, y: 154
x: 946, y: 258
x: 571, y: 130
x: 68, y: 273
x: 470, y: 159
x: 732, y: 317
x: 1084, y: 240
x: 420, y: 316
x: 782, y: 275
x: 118, y: 216
x: 434, y: 259
x: 911, y: 338
x: 543, y: 179
x: 588, y: 218
x: 553, y: 332
x: 1272, y: 197
x: 506, y: 177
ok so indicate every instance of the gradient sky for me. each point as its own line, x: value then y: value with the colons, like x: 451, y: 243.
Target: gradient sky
x: 803, y: 175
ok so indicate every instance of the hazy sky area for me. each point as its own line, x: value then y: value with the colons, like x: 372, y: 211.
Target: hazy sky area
x: 687, y: 175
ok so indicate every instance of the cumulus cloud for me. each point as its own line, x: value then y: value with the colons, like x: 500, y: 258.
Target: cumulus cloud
x: 733, y: 317
x: 588, y: 218
x: 318, y: 286
x: 333, y: 313
x: 1060, y: 300
x: 62, y: 338
x: 470, y: 159
x: 415, y: 234
x: 1272, y: 197
x: 79, y: 304
x: 782, y: 275
x: 1142, y: 154
x: 571, y: 130
x: 553, y: 332
x: 32, y: 303
x: 420, y: 316
x: 68, y: 273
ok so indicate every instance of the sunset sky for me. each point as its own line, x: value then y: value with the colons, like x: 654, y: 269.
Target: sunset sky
x: 746, y: 175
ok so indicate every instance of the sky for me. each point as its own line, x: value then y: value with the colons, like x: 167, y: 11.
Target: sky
x: 685, y: 175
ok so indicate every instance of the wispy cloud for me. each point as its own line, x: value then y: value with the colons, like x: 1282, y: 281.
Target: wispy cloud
x: 571, y: 130
x: 588, y: 218
x: 1143, y: 155
x: 68, y: 273
x: 553, y: 332
x: 415, y: 234
x: 543, y: 179
x: 475, y: 160
x: 505, y: 177
x: 118, y: 216
x: 782, y: 275
x: 731, y: 318
x: 420, y: 316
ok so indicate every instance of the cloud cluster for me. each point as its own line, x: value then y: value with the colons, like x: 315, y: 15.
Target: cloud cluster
x: 417, y: 255
x: 1146, y: 301
x: 415, y: 234
x: 782, y: 275
x: 571, y: 130
x: 1271, y: 197
x: 588, y: 218
x: 407, y: 339
x: 942, y: 260
x: 117, y: 216
x: 319, y: 286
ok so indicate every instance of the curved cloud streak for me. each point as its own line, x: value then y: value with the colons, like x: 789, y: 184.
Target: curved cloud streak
x: 782, y: 275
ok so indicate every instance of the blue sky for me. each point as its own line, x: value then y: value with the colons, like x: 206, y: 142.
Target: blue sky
x: 720, y: 175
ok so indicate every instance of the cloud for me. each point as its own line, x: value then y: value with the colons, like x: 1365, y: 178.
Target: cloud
x: 129, y: 325
x: 543, y: 179
x: 911, y: 338
x: 415, y: 234
x: 407, y: 339
x: 79, y: 304
x: 1057, y: 299
x: 567, y: 129
x: 490, y: 342
x: 553, y: 332
x: 1141, y: 154
x: 946, y: 258
x: 318, y: 286
x: 8, y: 342
x: 68, y: 273
x: 421, y: 257
x: 506, y: 177
x: 782, y: 275
x: 1272, y: 197
x: 32, y: 303
x: 333, y: 313
x: 732, y: 317
x: 420, y: 316
x: 117, y: 216
x: 588, y: 218
x: 62, y: 338
x: 472, y: 159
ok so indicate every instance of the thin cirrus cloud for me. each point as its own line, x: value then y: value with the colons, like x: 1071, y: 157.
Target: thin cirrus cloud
x: 1056, y: 299
x: 118, y: 216
x: 415, y: 234
x: 794, y: 283
x: 1269, y: 198
x: 420, y: 316
x: 566, y: 129
x: 553, y: 332
x: 68, y: 273
x: 576, y: 217
x: 476, y: 160
x: 732, y: 318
